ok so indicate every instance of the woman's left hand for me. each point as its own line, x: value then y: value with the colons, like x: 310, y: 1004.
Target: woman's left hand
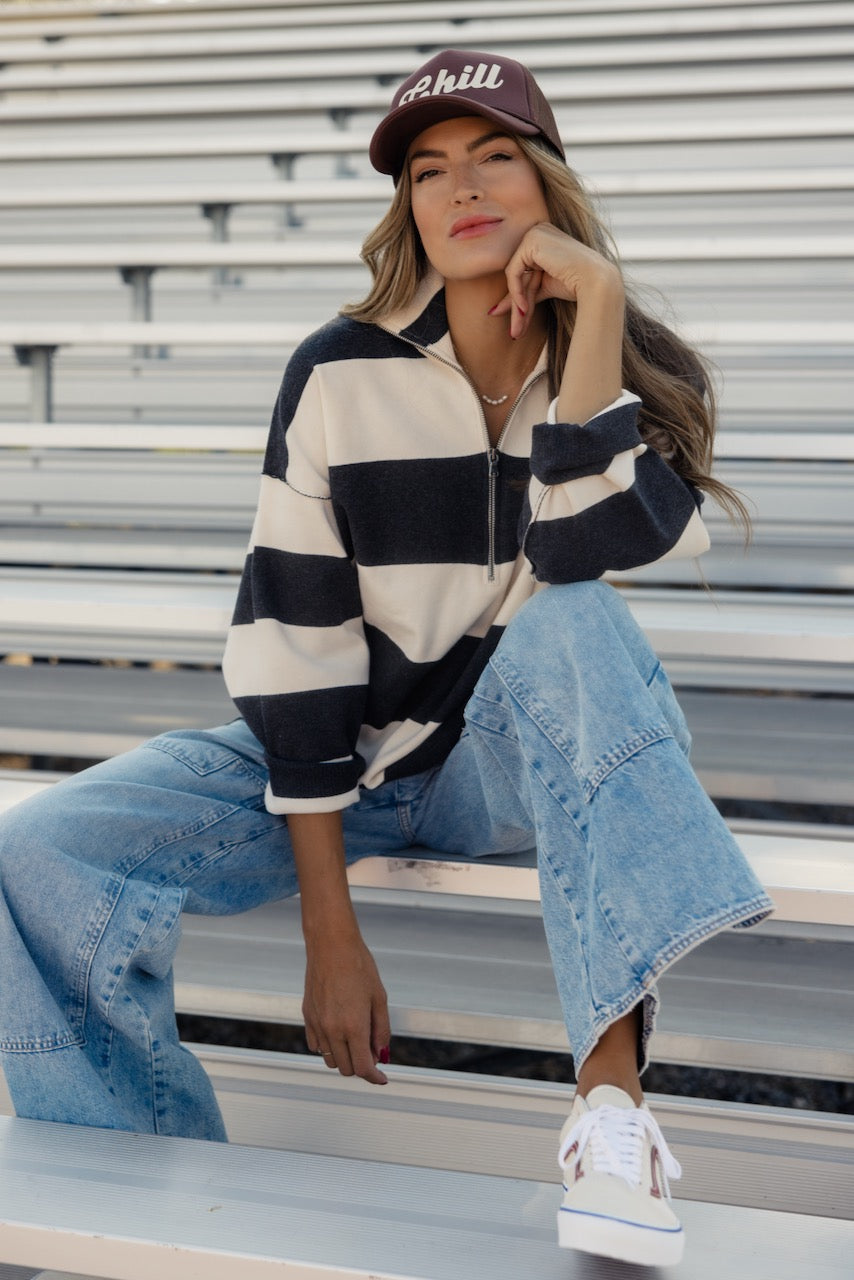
x: 551, y: 264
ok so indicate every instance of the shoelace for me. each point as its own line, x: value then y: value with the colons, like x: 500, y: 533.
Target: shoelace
x: 616, y: 1138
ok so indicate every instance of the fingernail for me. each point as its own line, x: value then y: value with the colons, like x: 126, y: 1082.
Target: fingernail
x: 385, y: 1056
x: 492, y: 310
x: 521, y: 310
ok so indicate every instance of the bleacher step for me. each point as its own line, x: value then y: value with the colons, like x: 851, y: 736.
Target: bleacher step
x: 478, y: 976
x: 761, y: 1157
x: 128, y: 1206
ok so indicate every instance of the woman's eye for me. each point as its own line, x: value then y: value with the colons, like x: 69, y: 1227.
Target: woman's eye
x: 499, y: 155
x: 425, y: 173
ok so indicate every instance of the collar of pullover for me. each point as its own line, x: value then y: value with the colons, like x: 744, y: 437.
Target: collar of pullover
x: 424, y: 321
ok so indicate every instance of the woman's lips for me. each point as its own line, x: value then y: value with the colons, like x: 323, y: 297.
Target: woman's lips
x: 465, y: 228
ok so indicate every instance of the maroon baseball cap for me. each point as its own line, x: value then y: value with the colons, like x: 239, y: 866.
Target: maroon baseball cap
x: 460, y: 82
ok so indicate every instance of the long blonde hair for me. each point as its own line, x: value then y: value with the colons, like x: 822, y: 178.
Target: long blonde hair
x: 678, y: 413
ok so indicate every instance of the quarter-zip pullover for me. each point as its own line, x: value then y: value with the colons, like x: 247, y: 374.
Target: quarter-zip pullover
x: 392, y: 544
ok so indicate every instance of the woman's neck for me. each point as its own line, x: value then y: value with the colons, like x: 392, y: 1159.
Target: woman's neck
x: 496, y: 363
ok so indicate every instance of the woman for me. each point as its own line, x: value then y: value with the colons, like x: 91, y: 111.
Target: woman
x: 438, y: 455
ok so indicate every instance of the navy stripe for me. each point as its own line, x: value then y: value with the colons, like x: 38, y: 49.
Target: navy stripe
x: 621, y: 532
x: 300, y: 590
x: 511, y: 494
x: 299, y: 729
x: 435, y: 749
x: 423, y: 691
x: 428, y: 510
x: 563, y: 451
x: 314, y: 781
x: 432, y: 325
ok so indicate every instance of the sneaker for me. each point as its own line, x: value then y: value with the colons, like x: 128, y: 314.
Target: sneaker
x: 617, y: 1198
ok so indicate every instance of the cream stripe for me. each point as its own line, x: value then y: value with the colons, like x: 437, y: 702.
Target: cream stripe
x: 442, y: 414
x: 426, y: 608
x: 443, y: 417
x: 268, y: 657
x: 557, y: 501
x: 382, y: 747
x: 323, y: 804
x: 307, y: 469
x: 286, y: 521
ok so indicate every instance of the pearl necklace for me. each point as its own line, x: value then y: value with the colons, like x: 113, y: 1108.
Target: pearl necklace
x: 489, y: 399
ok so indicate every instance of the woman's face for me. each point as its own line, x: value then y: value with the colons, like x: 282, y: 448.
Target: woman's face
x: 474, y: 195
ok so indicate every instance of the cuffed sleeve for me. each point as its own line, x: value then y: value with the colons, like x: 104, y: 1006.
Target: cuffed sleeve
x: 296, y: 659
x: 600, y: 499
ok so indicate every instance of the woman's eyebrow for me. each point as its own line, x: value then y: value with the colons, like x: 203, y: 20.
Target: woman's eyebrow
x: 431, y: 154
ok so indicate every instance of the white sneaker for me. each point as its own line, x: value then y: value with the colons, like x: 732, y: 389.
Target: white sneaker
x: 616, y: 1165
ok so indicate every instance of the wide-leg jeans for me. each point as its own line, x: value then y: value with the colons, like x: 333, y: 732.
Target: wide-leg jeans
x: 573, y: 743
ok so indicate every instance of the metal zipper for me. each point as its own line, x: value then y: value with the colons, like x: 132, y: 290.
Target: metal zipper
x: 491, y: 451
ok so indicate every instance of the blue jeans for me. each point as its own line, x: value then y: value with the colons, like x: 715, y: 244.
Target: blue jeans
x: 573, y: 743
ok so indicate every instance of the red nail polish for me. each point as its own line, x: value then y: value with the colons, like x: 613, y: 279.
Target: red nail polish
x: 521, y: 310
x: 384, y: 1056
x: 492, y: 310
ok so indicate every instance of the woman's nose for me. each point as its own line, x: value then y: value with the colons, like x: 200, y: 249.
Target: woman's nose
x: 466, y: 186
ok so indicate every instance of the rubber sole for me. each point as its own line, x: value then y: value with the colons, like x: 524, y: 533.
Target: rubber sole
x: 623, y: 1240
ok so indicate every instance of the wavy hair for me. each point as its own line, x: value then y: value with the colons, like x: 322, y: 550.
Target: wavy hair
x: 678, y: 404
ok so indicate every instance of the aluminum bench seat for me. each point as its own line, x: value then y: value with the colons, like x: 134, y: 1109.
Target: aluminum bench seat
x: 422, y: 25
x: 735, y: 638
x: 761, y: 1157
x: 751, y: 349
x: 463, y: 973
x: 177, y: 1206
x: 747, y: 746
x: 465, y: 958
x: 158, y: 496
x: 744, y: 182
x: 607, y: 73
x: 278, y: 254
x: 302, y: 81
x: 69, y: 20
x: 43, y: 14
x: 787, y: 1160
x: 808, y: 126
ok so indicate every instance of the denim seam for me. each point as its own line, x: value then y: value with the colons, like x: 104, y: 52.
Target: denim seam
x: 606, y: 763
x: 83, y: 969
x: 42, y: 1044
x: 404, y: 819
x: 182, y: 876
x: 202, y: 823
x: 86, y: 957
x: 118, y: 975
x: 755, y: 906
x: 543, y: 859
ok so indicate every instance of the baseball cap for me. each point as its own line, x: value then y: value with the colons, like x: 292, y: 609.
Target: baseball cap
x: 460, y: 82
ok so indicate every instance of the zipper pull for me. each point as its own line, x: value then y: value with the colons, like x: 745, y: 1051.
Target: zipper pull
x: 493, y: 462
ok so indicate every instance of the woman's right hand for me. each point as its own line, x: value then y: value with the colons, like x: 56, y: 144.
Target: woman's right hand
x: 345, y: 1006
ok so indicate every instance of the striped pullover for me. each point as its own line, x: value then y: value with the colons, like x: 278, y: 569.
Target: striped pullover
x: 392, y: 545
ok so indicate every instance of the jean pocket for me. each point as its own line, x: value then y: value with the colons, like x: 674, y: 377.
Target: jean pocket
x: 201, y: 753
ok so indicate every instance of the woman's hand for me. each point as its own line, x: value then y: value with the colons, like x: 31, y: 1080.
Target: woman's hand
x: 551, y: 264
x: 345, y: 1006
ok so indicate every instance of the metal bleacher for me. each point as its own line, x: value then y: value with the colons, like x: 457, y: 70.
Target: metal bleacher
x: 717, y: 135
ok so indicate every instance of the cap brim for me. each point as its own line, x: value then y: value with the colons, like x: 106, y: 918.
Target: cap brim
x: 393, y: 134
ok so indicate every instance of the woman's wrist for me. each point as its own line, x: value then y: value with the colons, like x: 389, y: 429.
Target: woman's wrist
x: 602, y: 288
